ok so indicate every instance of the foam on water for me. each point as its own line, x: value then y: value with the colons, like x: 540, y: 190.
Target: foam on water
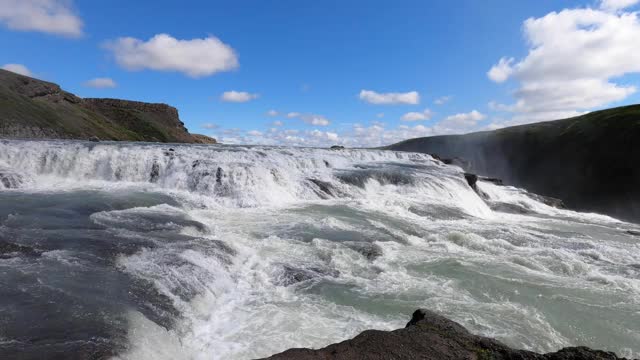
x: 262, y: 249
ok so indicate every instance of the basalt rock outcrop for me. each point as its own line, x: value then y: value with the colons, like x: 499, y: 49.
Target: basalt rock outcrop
x: 32, y: 108
x: 429, y: 336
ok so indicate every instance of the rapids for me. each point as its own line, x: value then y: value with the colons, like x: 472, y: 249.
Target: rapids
x: 168, y: 251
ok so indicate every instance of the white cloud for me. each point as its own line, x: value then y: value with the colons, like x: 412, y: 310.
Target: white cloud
x: 442, y: 100
x: 575, y: 59
x: 238, y: 96
x: 272, y: 113
x: 356, y: 135
x: 462, y: 121
x: 372, y: 97
x: 209, y: 126
x: 313, y: 119
x: 196, y: 57
x: 617, y: 5
x: 277, y: 123
x: 49, y: 16
x: 502, y: 70
x: 101, y: 83
x: 18, y: 69
x: 417, y: 116
x: 380, y: 115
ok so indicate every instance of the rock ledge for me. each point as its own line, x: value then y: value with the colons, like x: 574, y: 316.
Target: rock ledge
x: 432, y: 336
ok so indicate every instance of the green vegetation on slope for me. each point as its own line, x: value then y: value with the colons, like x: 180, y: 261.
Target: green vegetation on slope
x: 31, y: 108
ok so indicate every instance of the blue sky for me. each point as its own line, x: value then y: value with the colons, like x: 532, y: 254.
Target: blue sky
x: 359, y: 73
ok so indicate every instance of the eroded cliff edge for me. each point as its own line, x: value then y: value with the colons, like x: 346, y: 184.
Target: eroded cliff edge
x: 32, y: 108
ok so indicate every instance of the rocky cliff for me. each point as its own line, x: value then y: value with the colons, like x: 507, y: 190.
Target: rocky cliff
x: 429, y: 336
x: 590, y: 161
x: 32, y: 108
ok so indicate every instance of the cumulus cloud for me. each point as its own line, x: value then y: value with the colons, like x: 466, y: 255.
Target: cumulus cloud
x: 18, y: 69
x: 238, y: 96
x: 101, y: 83
x: 272, y: 113
x: 502, y: 70
x: 48, y: 16
x: 574, y: 61
x: 277, y: 123
x: 209, y: 126
x: 380, y: 115
x: 372, y: 97
x: 311, y: 119
x: 314, y: 119
x: 617, y: 5
x: 463, y: 121
x: 356, y: 135
x: 417, y: 116
x: 195, y: 58
x: 442, y: 100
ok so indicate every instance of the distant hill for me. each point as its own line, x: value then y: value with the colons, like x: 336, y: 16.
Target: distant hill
x: 592, y: 162
x: 32, y: 108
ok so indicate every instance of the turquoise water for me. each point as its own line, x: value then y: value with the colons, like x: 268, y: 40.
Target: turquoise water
x: 143, y: 251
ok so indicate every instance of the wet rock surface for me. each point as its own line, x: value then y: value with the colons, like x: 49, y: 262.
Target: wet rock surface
x: 292, y: 275
x: 432, y: 336
x: 9, y: 250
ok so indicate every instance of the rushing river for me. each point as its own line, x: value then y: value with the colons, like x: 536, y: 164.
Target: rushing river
x: 148, y: 251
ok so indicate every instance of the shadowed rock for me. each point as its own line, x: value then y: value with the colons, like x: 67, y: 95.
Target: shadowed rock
x: 429, y: 336
x: 495, y: 181
x: 368, y: 250
x: 325, y: 187
x: 472, y: 179
x: 293, y: 275
x: 9, y: 250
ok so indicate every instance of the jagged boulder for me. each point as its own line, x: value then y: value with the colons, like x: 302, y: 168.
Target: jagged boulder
x: 472, y: 179
x: 429, y: 336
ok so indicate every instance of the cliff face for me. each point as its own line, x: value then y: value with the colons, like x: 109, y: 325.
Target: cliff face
x: 158, y: 122
x: 590, y: 161
x: 31, y: 108
x: 429, y: 336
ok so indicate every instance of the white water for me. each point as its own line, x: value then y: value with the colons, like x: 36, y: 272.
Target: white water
x: 250, y: 217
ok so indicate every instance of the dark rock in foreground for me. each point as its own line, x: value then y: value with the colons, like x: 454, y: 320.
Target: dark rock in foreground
x: 432, y: 336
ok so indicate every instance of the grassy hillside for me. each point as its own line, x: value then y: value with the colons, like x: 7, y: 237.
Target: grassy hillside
x: 591, y: 161
x: 31, y: 108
